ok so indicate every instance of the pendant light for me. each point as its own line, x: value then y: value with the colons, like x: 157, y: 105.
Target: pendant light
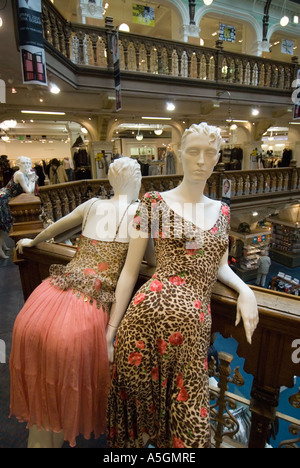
x: 139, y: 136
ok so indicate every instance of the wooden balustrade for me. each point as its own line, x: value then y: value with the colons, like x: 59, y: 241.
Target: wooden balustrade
x: 269, y: 359
x: 89, y: 46
x: 59, y: 200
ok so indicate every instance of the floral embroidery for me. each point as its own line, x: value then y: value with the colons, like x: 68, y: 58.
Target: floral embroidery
x: 102, y: 266
x: 203, y: 412
x: 176, y: 339
x: 135, y: 359
x: 214, y: 230
x: 197, y: 304
x: 178, y: 280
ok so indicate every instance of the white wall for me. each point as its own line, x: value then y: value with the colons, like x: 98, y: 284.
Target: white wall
x: 37, y: 151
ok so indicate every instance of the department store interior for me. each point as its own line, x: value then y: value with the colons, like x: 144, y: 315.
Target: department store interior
x: 191, y: 62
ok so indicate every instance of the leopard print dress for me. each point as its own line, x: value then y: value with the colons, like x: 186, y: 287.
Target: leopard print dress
x: 160, y: 371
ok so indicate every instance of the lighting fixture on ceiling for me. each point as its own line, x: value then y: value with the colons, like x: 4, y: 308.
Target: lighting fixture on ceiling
x: 42, y: 112
x: 255, y: 111
x: 1, y: 22
x: 296, y: 19
x: 170, y: 106
x: 139, y: 136
x: 156, y: 118
x: 158, y: 131
x: 233, y: 127
x: 84, y: 130
x: 124, y: 27
x: 207, y: 2
x: 284, y: 21
x: 54, y: 89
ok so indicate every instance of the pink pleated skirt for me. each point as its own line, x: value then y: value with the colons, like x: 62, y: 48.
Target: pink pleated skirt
x: 59, y: 368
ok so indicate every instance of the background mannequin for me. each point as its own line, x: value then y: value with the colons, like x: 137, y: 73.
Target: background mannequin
x: 57, y: 173
x: 170, y: 316
x: 23, y: 180
x: 59, y: 353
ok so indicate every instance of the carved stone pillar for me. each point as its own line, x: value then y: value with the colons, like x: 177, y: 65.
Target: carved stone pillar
x: 25, y: 210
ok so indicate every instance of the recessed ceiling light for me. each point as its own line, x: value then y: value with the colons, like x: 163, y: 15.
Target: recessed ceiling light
x: 170, y: 106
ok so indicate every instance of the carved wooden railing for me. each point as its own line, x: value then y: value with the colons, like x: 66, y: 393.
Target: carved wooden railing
x: 59, y: 200
x: 88, y: 46
x: 271, y: 358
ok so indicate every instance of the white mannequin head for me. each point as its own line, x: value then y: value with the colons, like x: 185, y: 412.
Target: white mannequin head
x: 199, y: 153
x: 24, y: 164
x: 125, y: 177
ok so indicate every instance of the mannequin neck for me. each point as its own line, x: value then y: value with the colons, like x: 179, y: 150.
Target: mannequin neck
x: 124, y: 198
x: 192, y: 192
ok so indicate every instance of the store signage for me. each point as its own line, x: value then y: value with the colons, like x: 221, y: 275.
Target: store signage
x: 226, y: 33
x: 287, y: 47
x: 143, y: 15
x: 31, y: 42
x: 117, y: 73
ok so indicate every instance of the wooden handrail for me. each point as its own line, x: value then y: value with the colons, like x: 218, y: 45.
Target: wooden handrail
x: 268, y: 358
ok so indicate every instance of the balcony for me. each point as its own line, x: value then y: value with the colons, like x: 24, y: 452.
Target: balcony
x: 84, y: 48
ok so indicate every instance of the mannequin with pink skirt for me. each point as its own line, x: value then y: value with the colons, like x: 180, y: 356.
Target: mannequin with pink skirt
x: 59, y: 366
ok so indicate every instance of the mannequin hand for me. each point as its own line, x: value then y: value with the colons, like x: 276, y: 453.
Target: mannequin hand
x: 23, y: 243
x: 247, y: 310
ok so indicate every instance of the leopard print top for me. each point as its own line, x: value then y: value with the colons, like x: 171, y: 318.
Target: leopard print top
x: 160, y: 373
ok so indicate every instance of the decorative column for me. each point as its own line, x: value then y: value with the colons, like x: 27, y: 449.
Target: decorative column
x: 25, y: 210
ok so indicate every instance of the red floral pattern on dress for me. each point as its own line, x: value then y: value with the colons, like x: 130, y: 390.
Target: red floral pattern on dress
x: 203, y: 412
x: 176, y: 339
x: 97, y: 284
x: 135, y: 359
x: 89, y: 272
x: 139, y: 298
x: 140, y: 344
x: 177, y: 443
x: 197, y: 304
x: 155, y: 373
x: 214, y: 230
x: 179, y: 380
x: 177, y: 280
x: 183, y: 395
x: 225, y: 210
x: 156, y: 285
x: 202, y: 317
x: 102, y: 266
x: 162, y: 346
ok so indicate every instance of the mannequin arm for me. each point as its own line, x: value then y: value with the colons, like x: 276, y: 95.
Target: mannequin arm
x: 125, y: 286
x: 66, y: 223
x: 20, y: 179
x: 246, y: 303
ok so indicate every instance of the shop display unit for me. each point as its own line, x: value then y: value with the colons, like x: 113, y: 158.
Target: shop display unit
x: 285, y: 283
x: 285, y: 246
x: 245, y: 251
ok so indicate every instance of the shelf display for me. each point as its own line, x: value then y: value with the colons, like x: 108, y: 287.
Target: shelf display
x: 285, y: 283
x: 245, y: 251
x: 285, y: 247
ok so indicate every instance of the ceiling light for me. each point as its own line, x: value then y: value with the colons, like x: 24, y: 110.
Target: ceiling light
x: 255, y: 111
x: 201, y: 42
x: 207, y: 2
x: 157, y: 118
x: 254, y: 213
x: 284, y: 21
x: 158, y: 131
x: 1, y: 22
x: 296, y: 19
x: 139, y: 136
x: 84, y: 130
x: 54, y: 89
x: 124, y: 27
x: 170, y: 106
x: 42, y: 112
x: 233, y: 127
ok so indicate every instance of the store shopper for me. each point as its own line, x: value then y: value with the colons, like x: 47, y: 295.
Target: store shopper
x: 159, y: 385
x: 57, y: 173
x: 264, y: 263
x: 59, y: 367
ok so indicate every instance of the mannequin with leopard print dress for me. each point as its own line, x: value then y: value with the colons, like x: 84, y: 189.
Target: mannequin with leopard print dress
x: 159, y: 345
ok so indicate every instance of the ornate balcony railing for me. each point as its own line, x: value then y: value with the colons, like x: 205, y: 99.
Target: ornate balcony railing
x: 89, y: 46
x: 59, y: 200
